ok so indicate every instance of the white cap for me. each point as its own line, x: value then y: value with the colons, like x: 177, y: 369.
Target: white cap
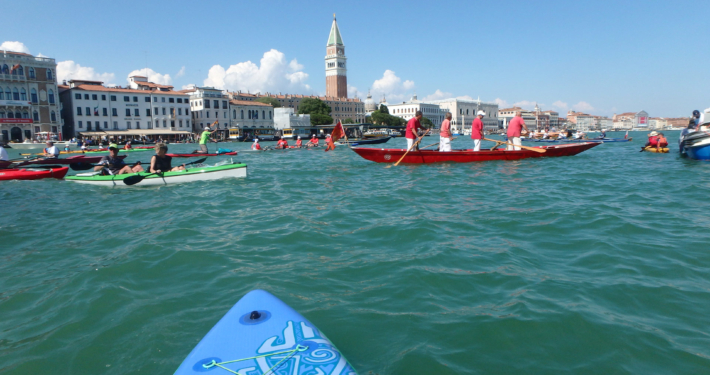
x: 299, y: 137
x: 653, y: 134
x: 207, y: 128
x: 256, y: 140
x: 481, y: 113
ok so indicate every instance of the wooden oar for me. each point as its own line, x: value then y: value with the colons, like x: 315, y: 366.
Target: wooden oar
x: 434, y: 144
x: 410, y: 149
x: 132, y: 180
x: 536, y: 149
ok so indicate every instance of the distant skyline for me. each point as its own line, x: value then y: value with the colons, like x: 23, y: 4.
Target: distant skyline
x: 601, y: 57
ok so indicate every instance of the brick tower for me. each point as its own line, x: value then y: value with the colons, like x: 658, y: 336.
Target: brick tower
x: 336, y: 81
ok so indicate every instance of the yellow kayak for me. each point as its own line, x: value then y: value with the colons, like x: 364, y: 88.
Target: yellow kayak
x: 663, y: 150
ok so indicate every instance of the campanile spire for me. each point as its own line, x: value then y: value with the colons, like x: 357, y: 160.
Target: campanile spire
x: 336, y: 81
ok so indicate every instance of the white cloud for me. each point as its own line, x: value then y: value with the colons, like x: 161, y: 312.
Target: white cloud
x: 583, y: 107
x: 560, y: 105
x: 525, y: 104
x: 180, y: 73
x: 392, y: 87
x: 152, y: 75
x: 67, y: 70
x: 502, y: 103
x: 273, y: 74
x: 438, y: 94
x: 14, y: 47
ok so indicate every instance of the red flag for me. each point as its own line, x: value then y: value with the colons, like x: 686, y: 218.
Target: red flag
x: 338, y: 132
x: 627, y: 135
x: 14, y: 67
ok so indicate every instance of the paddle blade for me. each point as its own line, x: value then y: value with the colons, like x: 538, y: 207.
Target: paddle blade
x: 198, y: 161
x: 80, y: 166
x: 132, y: 180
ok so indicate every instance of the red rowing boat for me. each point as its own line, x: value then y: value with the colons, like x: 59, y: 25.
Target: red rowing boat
x: 198, y: 155
x: 392, y: 155
x: 33, y: 174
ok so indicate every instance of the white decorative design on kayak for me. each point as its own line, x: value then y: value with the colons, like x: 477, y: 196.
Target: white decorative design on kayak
x: 289, y: 341
x: 307, y: 331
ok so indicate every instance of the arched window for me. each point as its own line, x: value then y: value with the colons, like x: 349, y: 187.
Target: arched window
x: 31, y: 72
x: 263, y: 114
x: 269, y: 115
x: 8, y: 96
x: 20, y: 71
x: 13, y: 71
x: 15, y: 94
x: 18, y: 115
x: 53, y: 117
x: 35, y: 116
x: 25, y: 115
x: 234, y: 114
x: 33, y: 95
x: 242, y: 114
x: 23, y: 94
x: 2, y: 114
x: 5, y: 69
x: 51, y: 96
x: 50, y: 76
x: 249, y: 113
x: 256, y: 114
x: 2, y: 94
x: 10, y: 115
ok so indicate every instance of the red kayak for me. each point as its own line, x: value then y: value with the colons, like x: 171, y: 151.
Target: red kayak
x: 392, y: 155
x: 63, y: 161
x: 32, y: 174
x: 198, y: 155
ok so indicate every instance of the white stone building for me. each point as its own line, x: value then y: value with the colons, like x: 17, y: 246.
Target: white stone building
x: 464, y: 111
x: 292, y: 125
x: 507, y: 114
x: 407, y: 110
x: 89, y: 106
x: 208, y: 105
x: 29, y: 96
x: 251, y: 115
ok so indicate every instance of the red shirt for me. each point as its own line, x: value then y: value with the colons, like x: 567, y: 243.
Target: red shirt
x: 412, y: 126
x: 314, y: 140
x: 445, y: 129
x: 515, y: 127
x: 299, y: 143
x: 653, y: 141
x: 256, y: 146
x: 477, y: 129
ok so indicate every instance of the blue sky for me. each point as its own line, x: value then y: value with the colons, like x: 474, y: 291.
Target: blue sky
x: 599, y: 56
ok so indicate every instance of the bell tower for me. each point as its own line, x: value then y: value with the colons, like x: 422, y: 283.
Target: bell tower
x: 336, y: 81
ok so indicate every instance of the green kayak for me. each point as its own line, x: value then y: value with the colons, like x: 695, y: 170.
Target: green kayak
x: 233, y: 170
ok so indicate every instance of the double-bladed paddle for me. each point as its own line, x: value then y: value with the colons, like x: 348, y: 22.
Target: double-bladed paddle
x: 132, y: 180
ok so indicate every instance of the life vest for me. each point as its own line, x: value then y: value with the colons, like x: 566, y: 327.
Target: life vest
x: 299, y: 143
x: 256, y: 146
x: 662, y: 142
x: 653, y: 141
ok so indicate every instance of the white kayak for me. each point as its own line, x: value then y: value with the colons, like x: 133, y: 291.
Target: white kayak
x: 234, y: 170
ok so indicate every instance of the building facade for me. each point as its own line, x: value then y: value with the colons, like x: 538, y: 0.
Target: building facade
x: 248, y: 115
x: 300, y: 125
x: 336, y: 80
x: 507, y: 114
x: 407, y: 110
x: 208, y: 105
x: 89, y: 106
x: 637, y: 120
x: 464, y: 111
x: 29, y: 97
x: 340, y: 108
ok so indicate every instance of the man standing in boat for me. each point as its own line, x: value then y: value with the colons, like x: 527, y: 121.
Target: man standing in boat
x: 514, y: 130
x: 477, y: 130
x: 413, y: 127
x: 204, y: 138
x: 445, y: 134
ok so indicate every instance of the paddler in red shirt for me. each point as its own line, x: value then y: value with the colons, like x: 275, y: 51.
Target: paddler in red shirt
x: 282, y: 143
x: 256, y: 145
x: 514, y: 130
x: 477, y: 130
x: 413, y: 127
x: 652, y: 140
x: 313, y: 142
x: 445, y: 134
x: 299, y: 143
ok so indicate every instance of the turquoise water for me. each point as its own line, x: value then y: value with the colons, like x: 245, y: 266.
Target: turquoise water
x: 592, y: 264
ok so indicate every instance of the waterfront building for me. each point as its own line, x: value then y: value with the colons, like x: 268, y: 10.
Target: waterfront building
x: 507, y: 114
x: 554, y: 118
x: 29, y: 96
x: 464, y: 111
x: 292, y: 125
x: 657, y: 123
x: 340, y: 108
x: 677, y: 122
x: 336, y: 80
x: 252, y: 117
x: 637, y: 120
x: 207, y: 105
x: 407, y: 110
x: 144, y: 108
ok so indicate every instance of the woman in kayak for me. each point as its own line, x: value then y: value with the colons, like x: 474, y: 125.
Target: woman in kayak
x: 161, y: 162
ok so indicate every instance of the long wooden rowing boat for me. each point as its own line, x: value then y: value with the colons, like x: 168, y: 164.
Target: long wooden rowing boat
x: 61, y: 161
x: 391, y: 155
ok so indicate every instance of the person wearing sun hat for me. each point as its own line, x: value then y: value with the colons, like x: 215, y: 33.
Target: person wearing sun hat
x: 477, y: 130
x: 652, y: 139
x: 113, y: 165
